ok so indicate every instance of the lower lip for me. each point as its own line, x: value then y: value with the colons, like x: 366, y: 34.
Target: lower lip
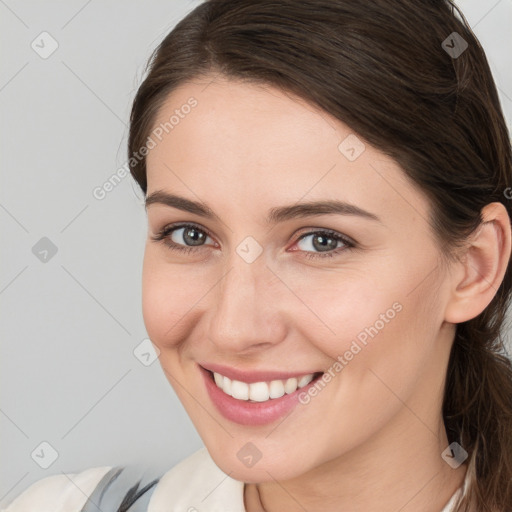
x: 251, y: 413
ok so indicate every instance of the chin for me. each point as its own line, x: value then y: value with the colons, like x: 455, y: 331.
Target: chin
x: 264, y: 470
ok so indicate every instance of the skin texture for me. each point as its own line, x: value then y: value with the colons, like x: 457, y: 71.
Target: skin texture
x: 372, y: 438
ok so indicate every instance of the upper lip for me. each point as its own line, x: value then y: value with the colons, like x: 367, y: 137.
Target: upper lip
x: 249, y: 376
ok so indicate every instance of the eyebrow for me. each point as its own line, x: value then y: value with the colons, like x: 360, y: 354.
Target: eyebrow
x: 274, y: 216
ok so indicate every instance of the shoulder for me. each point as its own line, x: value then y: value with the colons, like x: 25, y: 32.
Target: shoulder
x: 197, y: 483
x: 66, y: 492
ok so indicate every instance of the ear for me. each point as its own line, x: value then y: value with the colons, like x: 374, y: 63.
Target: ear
x: 482, y: 267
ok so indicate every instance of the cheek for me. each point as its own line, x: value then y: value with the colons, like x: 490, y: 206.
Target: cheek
x: 381, y: 346
x: 342, y: 310
x: 168, y: 299
x: 366, y: 327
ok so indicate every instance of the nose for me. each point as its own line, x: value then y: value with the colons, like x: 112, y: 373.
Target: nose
x: 245, y: 311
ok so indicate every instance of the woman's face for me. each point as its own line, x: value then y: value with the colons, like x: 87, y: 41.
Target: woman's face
x: 257, y: 289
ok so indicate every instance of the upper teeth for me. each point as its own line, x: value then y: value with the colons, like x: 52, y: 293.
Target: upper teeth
x: 260, y: 391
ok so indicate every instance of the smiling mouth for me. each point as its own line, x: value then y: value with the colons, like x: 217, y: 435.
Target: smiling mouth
x: 263, y: 391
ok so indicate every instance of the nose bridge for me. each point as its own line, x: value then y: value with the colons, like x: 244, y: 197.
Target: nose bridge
x: 242, y: 312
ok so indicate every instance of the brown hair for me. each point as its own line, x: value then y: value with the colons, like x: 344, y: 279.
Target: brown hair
x: 381, y: 67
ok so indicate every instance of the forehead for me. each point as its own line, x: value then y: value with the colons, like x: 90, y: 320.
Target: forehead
x: 246, y: 119
x: 241, y: 141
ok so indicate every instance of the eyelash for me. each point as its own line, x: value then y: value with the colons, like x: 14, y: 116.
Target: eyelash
x: 167, y: 230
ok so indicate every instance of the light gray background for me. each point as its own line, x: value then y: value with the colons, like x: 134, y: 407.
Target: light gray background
x: 70, y: 325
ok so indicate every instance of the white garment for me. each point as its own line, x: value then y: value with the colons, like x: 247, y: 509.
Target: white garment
x: 196, y: 484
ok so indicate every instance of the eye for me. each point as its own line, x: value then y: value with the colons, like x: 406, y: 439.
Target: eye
x: 189, y: 238
x: 183, y: 237
x: 326, y: 242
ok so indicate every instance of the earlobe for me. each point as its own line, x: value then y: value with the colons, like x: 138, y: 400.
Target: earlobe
x: 482, y: 267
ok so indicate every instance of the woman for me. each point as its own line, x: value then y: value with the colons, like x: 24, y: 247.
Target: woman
x: 327, y: 273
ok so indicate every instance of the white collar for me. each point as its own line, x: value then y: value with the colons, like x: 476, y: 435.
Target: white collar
x: 197, y: 484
